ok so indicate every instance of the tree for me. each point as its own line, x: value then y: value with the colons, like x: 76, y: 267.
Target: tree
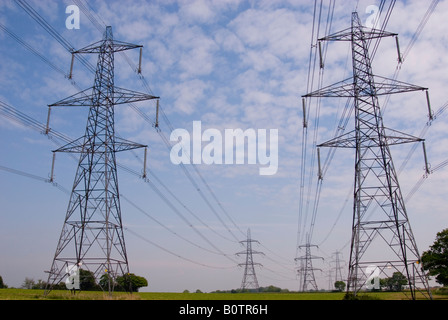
x: 435, y: 260
x: 2, y: 284
x: 396, y: 282
x: 339, y: 285
x: 131, y: 281
x: 28, y: 283
x: 87, y: 280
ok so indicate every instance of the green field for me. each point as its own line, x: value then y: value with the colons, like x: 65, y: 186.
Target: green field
x: 28, y: 294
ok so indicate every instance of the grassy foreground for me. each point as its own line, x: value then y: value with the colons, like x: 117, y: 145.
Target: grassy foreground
x: 27, y: 294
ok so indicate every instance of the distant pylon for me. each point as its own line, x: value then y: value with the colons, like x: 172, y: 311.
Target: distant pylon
x: 249, y: 278
x: 379, y: 212
x: 338, y: 267
x: 306, y: 270
x: 92, y: 236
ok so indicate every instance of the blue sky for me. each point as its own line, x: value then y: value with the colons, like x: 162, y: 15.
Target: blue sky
x: 229, y: 64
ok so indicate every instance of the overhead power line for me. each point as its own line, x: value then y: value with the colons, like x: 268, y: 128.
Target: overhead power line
x: 41, y: 21
x: 41, y: 179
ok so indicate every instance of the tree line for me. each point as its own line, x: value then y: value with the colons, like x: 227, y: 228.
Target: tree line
x: 434, y: 261
x: 87, y: 282
x: 394, y: 283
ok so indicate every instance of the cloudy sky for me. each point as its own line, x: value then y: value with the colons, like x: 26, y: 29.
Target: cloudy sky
x: 230, y: 64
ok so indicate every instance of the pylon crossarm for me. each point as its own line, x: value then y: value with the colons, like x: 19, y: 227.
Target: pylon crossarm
x: 76, y: 146
x: 116, y: 46
x: 86, y: 97
x: 365, y: 32
x: 386, y: 86
x: 349, y: 140
x: 125, y: 145
x: 80, y: 145
x: 382, y: 86
x: 122, y: 96
x: 80, y: 99
x: 342, y: 89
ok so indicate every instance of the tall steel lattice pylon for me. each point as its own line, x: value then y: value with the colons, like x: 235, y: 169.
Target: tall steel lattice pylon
x: 380, y: 220
x: 92, y: 236
x: 306, y: 270
x: 249, y: 278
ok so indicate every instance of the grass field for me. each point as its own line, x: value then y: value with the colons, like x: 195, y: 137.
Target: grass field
x: 28, y: 294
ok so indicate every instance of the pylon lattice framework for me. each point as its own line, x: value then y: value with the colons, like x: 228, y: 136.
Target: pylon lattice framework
x: 306, y: 270
x: 376, y: 183
x: 92, y: 235
x: 249, y: 278
x: 337, y: 268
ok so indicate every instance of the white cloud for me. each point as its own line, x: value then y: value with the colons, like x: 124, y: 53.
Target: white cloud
x: 187, y: 95
x: 197, y: 11
x: 229, y: 41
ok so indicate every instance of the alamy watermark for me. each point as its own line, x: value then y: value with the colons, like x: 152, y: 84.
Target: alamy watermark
x: 373, y: 18
x: 72, y: 281
x: 373, y: 279
x: 226, y: 149
x: 72, y: 21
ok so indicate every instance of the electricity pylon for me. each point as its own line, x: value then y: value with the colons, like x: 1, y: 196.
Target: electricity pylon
x: 92, y: 236
x: 306, y: 270
x: 338, y: 267
x: 380, y: 220
x: 249, y: 278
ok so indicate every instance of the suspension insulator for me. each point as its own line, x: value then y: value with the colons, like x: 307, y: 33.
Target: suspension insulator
x: 140, y: 61
x: 157, y: 114
x: 319, y: 172
x: 52, y: 168
x: 71, y: 67
x: 47, y: 128
x: 305, y: 122
x: 426, y: 159
x: 320, y: 55
x: 431, y: 117
x: 400, y: 58
x: 144, y: 163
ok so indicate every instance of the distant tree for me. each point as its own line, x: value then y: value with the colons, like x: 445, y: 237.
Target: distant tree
x: 396, y: 282
x: 28, y: 283
x: 87, y: 280
x: 339, y: 285
x: 104, y: 281
x: 435, y: 260
x: 129, y: 282
x: 40, y: 284
x: 186, y: 291
x: 273, y: 289
x: 2, y: 284
x: 132, y: 282
x: 198, y: 291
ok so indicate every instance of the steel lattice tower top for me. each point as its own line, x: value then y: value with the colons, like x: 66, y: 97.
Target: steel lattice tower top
x: 92, y: 235
x: 249, y: 278
x: 380, y: 218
